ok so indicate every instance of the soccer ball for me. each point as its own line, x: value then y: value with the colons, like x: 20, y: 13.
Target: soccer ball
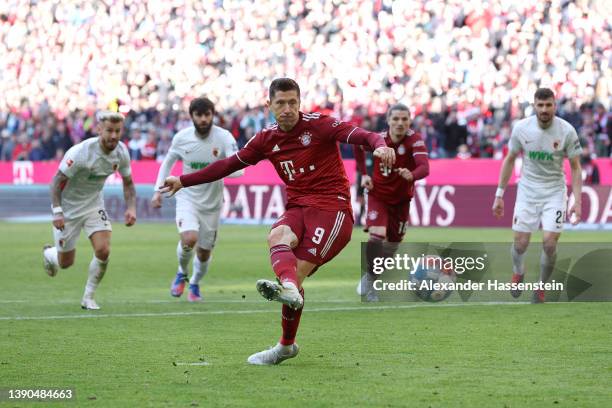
x: 430, y: 272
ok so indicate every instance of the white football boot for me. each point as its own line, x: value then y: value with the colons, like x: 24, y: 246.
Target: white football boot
x: 365, y: 288
x: 287, y: 293
x: 89, y: 303
x: 274, y: 355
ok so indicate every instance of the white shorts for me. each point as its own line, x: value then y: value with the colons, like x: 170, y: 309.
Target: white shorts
x: 189, y: 218
x: 94, y: 221
x: 528, y: 215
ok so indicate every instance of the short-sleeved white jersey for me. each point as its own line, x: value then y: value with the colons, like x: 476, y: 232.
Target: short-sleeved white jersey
x: 196, y: 153
x: 542, y: 175
x: 87, y: 168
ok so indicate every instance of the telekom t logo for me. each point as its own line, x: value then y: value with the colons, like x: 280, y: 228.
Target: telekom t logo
x: 23, y: 172
x: 386, y: 171
x: 288, y: 169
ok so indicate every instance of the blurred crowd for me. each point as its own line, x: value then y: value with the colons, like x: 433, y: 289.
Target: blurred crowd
x: 467, y: 68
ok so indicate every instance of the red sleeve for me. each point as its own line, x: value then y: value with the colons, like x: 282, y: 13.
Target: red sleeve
x: 252, y: 152
x: 360, y: 161
x: 421, y: 158
x: 347, y: 133
x: 422, y: 167
x: 213, y: 172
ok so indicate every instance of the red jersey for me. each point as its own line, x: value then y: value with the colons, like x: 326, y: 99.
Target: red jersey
x: 308, y: 160
x: 410, y: 153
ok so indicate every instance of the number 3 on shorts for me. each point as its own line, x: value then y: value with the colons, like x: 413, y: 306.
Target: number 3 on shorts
x: 103, y: 216
x: 318, y: 235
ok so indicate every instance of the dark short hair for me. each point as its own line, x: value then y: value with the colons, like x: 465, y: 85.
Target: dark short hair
x: 543, y: 93
x: 201, y: 105
x: 283, y: 85
x: 397, y: 107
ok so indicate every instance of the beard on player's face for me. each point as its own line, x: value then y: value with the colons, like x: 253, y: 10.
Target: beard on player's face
x: 203, y: 128
x: 110, y: 134
x: 544, y: 117
x: 545, y: 110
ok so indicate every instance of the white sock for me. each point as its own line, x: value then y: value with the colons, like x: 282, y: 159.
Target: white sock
x: 184, y: 256
x: 97, y: 269
x: 284, y: 348
x: 200, y: 269
x: 51, y: 255
x: 289, y: 285
x: 518, y: 261
x: 547, y: 264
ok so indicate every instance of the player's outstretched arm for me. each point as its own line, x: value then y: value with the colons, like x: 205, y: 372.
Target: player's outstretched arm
x: 208, y: 174
x: 575, y: 212
x: 58, y: 183
x: 504, y: 178
x: 346, y: 133
x: 129, y: 194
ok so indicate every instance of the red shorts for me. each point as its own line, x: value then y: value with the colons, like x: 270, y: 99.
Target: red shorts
x: 392, y: 216
x: 321, y: 234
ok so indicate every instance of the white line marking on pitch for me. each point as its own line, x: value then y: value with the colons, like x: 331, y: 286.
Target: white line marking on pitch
x: 95, y: 315
x: 175, y: 301
x: 199, y: 363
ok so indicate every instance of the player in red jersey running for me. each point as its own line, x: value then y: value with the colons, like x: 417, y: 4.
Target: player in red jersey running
x: 318, y: 221
x: 390, y: 189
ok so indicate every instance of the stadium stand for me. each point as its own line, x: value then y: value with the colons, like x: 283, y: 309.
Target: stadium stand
x: 467, y: 69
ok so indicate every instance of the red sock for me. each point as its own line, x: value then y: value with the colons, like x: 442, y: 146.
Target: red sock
x: 290, y: 322
x: 284, y: 263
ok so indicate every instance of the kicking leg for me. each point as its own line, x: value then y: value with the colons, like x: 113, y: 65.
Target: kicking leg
x: 286, y: 347
x: 284, y: 263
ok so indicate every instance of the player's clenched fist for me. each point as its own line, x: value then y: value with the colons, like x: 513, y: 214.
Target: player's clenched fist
x: 130, y: 217
x: 171, y: 185
x: 386, y: 155
x: 58, y: 221
x: 498, y: 207
x: 366, y: 182
x: 156, y: 201
x: 405, y: 173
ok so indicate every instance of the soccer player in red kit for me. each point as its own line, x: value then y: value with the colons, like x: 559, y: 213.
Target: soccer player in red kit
x: 390, y: 189
x: 318, y: 220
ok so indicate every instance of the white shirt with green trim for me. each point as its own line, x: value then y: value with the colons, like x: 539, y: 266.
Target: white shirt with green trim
x: 542, y: 175
x: 87, y: 168
x: 196, y: 153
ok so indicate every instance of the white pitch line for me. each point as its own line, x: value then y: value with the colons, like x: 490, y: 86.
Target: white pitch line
x: 95, y: 315
x: 154, y: 302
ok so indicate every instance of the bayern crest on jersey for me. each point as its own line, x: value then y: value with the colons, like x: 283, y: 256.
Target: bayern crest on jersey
x: 215, y: 151
x: 556, y: 144
x: 401, y: 150
x: 306, y: 138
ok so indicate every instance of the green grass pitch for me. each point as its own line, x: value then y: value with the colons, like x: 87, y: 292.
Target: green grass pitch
x: 145, y: 348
